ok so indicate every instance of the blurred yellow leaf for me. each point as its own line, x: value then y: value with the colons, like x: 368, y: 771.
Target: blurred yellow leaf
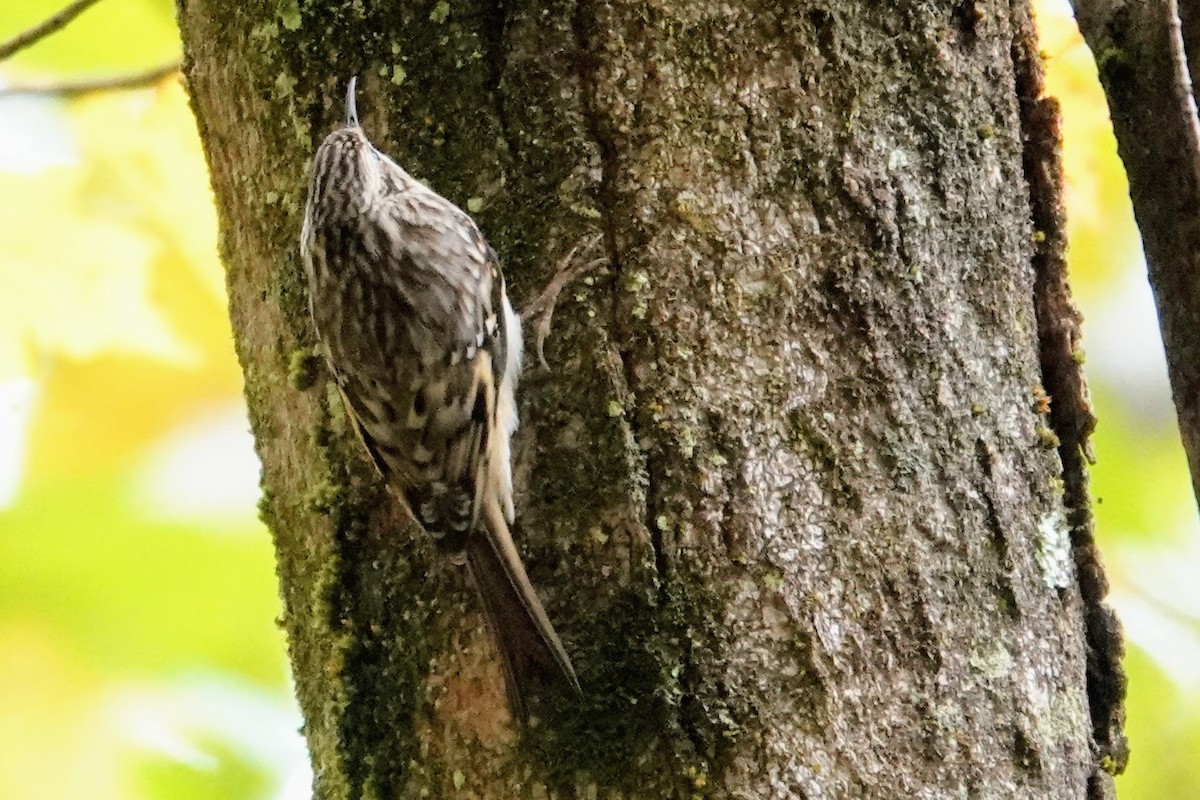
x: 144, y: 164
x: 53, y: 741
x: 74, y: 282
x: 112, y: 268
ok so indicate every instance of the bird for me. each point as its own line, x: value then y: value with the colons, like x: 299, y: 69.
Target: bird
x: 410, y: 308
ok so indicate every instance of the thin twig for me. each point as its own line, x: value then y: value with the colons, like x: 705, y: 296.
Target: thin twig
x: 44, y: 28
x: 1183, y: 85
x: 542, y: 306
x: 134, y: 80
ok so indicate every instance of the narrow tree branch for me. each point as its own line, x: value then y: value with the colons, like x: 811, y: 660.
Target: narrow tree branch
x: 1189, y: 18
x: 134, y: 80
x: 44, y: 28
x: 1184, y: 86
x: 1140, y: 53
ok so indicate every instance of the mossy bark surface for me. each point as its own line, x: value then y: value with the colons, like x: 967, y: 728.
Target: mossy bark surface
x: 790, y: 488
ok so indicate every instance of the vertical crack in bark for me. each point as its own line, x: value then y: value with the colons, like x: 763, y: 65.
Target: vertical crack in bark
x: 986, y: 458
x: 583, y: 17
x: 582, y: 22
x: 690, y: 713
x: 493, y: 30
x: 1071, y: 417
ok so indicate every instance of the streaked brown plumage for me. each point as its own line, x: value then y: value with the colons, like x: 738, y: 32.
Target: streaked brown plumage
x: 410, y: 305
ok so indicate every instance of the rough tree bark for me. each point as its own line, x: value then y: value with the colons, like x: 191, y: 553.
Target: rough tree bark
x: 793, y: 488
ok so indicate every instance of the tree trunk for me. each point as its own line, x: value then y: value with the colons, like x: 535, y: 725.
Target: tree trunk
x: 792, y: 489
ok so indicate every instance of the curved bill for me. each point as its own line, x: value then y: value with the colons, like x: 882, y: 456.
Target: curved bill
x: 351, y: 105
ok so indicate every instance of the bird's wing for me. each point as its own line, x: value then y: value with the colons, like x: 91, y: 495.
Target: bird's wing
x: 427, y: 410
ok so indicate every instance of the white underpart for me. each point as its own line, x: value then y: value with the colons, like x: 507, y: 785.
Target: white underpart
x: 506, y: 408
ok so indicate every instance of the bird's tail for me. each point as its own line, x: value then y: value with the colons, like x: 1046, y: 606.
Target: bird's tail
x: 530, y: 650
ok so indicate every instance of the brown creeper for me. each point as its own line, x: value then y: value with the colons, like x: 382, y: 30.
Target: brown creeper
x: 409, y: 304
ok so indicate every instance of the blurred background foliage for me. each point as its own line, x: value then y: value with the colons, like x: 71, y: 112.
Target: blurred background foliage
x: 139, y: 655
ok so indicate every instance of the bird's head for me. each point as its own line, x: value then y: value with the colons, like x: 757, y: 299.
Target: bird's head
x: 347, y: 170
